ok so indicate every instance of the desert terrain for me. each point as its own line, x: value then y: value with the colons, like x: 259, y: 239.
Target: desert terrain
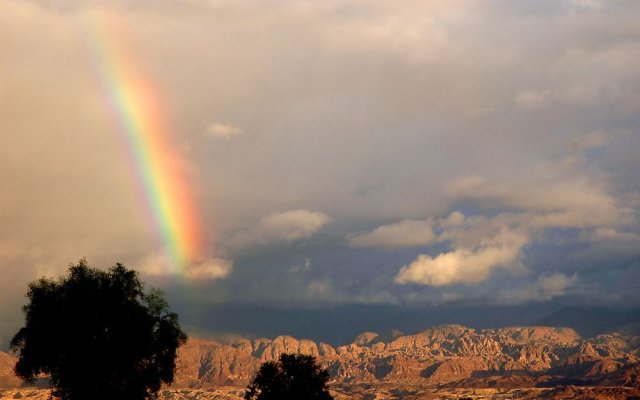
x: 450, y: 361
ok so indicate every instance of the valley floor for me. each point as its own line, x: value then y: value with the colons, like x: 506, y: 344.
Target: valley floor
x: 385, y: 392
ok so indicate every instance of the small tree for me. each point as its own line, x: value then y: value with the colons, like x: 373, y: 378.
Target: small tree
x: 292, y: 377
x: 98, y: 335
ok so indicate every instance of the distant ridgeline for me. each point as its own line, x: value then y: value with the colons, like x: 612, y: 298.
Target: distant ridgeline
x: 338, y: 325
x: 448, y: 355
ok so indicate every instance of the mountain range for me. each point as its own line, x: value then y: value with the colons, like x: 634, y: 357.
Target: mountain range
x: 447, y: 356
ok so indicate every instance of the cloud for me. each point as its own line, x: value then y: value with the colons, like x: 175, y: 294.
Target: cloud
x: 587, y: 5
x: 454, y: 219
x: 592, y: 140
x: 406, y: 233
x: 301, y: 267
x: 555, y: 195
x: 285, y: 226
x: 371, y: 112
x: 577, y: 95
x: 327, y: 292
x: 546, y: 287
x: 465, y: 265
x: 212, y: 268
x: 291, y: 225
x: 209, y: 269
x: 532, y: 99
x: 220, y: 130
x: 610, y: 235
x: 555, y: 284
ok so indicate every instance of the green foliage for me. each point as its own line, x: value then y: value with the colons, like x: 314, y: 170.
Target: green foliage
x: 98, y: 335
x: 292, y: 377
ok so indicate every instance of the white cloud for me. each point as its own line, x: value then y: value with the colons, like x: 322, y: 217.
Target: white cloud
x: 223, y: 131
x: 553, y: 196
x: 465, y: 265
x: 212, y: 268
x: 209, y: 269
x: 286, y: 226
x: 406, y: 233
x: 454, y: 219
x: 291, y: 225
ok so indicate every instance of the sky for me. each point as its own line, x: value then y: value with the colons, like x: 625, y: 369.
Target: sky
x: 323, y: 155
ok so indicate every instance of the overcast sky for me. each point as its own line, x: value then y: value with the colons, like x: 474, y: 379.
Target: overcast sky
x: 340, y: 152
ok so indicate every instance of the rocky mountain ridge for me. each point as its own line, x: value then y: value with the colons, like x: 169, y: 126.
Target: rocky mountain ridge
x: 7, y: 377
x: 444, y: 355
x: 451, y: 356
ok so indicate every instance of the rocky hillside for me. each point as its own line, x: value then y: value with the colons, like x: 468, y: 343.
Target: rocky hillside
x: 7, y: 378
x: 450, y: 356
x: 385, y: 392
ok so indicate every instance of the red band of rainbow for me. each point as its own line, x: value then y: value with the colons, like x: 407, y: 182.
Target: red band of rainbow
x: 143, y: 129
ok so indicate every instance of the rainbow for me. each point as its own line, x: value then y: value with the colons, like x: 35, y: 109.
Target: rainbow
x: 160, y: 172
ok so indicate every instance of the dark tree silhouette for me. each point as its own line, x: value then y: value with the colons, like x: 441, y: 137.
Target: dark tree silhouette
x: 98, y: 335
x: 292, y: 377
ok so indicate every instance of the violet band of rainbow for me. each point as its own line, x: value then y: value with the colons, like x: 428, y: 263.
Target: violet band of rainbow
x: 144, y: 132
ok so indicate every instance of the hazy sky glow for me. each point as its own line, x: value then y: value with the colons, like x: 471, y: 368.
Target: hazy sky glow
x: 338, y: 152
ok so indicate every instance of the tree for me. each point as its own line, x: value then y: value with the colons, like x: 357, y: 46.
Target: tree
x: 292, y: 377
x: 98, y: 335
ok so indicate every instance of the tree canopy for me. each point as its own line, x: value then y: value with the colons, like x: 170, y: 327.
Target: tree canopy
x: 292, y: 377
x: 98, y: 335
